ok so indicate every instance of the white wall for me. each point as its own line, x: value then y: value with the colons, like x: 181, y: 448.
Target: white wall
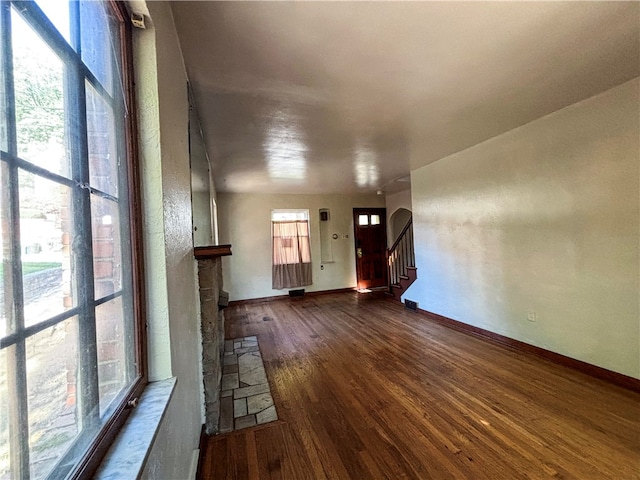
x: 245, y: 223
x: 544, y: 219
x: 169, y: 263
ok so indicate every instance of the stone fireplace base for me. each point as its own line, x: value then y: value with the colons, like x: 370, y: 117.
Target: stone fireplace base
x: 210, y: 283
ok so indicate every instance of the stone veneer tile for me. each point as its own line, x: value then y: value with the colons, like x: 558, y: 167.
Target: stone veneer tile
x: 252, y: 390
x: 212, y: 410
x: 257, y: 403
x: 230, y: 359
x: 267, y: 415
x: 253, y: 377
x: 213, y: 343
x: 247, y: 349
x: 211, y: 390
x: 244, y: 422
x: 229, y: 369
x: 251, y: 369
x: 230, y: 381
x: 226, y: 414
x: 240, y: 407
x: 245, y: 385
x: 210, y: 352
x: 250, y: 360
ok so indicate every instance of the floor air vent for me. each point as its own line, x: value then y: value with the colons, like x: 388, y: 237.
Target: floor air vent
x: 296, y: 293
x: 411, y: 305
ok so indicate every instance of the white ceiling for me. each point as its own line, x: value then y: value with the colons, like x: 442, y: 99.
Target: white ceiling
x: 340, y: 97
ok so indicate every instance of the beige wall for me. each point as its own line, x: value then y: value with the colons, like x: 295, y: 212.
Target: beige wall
x: 245, y: 223
x: 541, y: 219
x: 169, y: 263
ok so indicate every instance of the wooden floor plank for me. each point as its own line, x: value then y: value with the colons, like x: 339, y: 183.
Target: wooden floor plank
x: 365, y: 389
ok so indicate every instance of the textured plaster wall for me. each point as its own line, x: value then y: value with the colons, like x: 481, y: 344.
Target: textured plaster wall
x: 159, y: 352
x: 544, y: 219
x: 173, y: 319
x: 245, y: 223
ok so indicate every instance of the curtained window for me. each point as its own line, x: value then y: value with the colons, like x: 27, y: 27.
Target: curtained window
x: 291, y: 249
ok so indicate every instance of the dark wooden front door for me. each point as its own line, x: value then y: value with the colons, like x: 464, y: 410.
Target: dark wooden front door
x: 370, y: 233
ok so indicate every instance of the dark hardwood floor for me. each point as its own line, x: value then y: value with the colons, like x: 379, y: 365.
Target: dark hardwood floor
x: 367, y: 390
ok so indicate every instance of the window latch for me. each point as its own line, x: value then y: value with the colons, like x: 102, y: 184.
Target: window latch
x: 133, y: 403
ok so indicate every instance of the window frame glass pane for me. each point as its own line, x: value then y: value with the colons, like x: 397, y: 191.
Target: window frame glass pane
x: 39, y: 77
x: 75, y: 239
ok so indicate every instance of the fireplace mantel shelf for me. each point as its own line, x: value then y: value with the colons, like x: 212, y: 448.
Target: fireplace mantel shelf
x: 212, y: 251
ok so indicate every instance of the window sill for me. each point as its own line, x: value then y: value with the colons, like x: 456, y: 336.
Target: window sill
x: 127, y: 456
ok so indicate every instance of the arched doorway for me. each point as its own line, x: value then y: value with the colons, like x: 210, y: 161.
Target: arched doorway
x: 398, y: 221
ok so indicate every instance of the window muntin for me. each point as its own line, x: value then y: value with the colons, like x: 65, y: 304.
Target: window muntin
x: 70, y: 323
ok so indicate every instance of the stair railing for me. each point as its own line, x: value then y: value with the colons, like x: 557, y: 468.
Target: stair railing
x: 401, y: 255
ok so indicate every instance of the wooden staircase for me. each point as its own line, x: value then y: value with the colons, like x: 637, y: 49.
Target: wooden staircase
x: 401, y: 262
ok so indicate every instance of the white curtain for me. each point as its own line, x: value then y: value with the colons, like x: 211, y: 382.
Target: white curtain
x: 291, y: 254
